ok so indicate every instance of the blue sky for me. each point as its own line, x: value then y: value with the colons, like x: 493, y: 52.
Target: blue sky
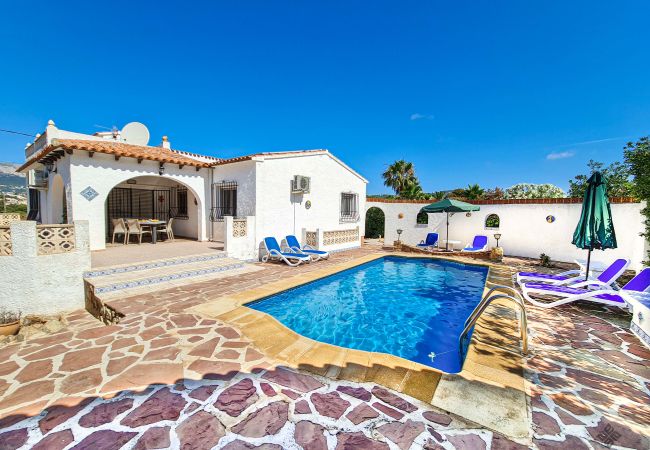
x: 484, y: 92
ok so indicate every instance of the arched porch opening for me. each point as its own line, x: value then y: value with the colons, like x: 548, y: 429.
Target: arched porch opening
x: 155, y: 197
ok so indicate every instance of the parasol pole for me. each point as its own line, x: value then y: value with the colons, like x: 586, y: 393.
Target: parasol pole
x: 588, y: 263
x: 447, y: 242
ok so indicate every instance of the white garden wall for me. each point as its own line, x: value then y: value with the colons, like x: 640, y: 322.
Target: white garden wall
x: 524, y: 229
x: 43, y: 284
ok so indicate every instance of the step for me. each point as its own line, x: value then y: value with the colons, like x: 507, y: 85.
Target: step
x: 127, y: 280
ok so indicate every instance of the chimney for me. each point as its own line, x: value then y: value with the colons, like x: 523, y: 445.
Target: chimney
x: 165, y: 143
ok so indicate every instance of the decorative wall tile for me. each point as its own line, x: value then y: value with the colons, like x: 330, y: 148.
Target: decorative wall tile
x: 52, y: 239
x: 239, y: 228
x: 5, y: 241
x: 311, y: 238
x: 340, y: 236
x: 89, y: 193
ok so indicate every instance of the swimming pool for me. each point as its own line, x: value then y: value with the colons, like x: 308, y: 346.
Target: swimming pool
x: 414, y: 308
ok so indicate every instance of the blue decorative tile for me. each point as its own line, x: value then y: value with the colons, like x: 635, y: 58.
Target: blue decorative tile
x: 89, y: 193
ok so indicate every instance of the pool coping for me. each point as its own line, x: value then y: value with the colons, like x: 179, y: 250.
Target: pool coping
x: 489, y: 372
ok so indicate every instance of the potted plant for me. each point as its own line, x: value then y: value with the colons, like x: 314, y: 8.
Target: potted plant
x: 9, y: 323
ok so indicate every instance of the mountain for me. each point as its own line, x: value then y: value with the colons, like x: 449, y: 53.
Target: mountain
x: 10, y: 181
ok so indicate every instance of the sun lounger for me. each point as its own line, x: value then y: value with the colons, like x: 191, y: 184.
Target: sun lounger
x: 570, y: 277
x: 569, y: 294
x: 430, y: 242
x: 306, y: 249
x: 274, y: 252
x: 479, y: 244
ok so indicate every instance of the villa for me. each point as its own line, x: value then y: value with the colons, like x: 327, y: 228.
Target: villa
x: 204, y: 341
x: 113, y: 175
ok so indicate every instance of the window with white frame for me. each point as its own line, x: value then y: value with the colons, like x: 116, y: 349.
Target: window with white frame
x: 349, y: 207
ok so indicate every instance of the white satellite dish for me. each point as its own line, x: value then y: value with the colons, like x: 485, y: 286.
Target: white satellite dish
x: 135, y: 133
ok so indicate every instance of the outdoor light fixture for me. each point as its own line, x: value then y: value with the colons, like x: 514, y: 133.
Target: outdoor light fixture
x: 161, y: 169
x: 497, y: 236
x: 49, y: 166
x: 399, y: 232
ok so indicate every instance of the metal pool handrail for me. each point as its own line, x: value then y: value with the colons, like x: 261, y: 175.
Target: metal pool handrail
x: 498, y: 287
x: 482, y: 306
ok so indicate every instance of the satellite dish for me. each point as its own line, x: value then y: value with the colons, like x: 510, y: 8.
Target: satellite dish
x: 135, y: 133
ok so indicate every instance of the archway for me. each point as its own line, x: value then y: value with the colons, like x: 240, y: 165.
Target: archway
x: 155, y: 197
x: 375, y: 223
x: 57, y: 202
x: 422, y: 218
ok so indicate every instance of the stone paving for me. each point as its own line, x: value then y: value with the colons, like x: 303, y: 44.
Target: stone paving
x: 163, y: 378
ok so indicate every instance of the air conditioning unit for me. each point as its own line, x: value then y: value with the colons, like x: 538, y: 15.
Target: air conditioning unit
x: 300, y: 184
x: 37, y: 179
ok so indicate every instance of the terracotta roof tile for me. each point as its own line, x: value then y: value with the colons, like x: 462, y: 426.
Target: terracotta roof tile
x: 118, y: 149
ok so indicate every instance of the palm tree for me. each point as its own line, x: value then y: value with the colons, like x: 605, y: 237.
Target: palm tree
x: 438, y: 195
x: 399, y: 175
x: 413, y: 191
x: 473, y: 192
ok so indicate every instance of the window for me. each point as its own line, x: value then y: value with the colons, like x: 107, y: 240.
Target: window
x: 423, y: 218
x: 492, y: 221
x: 349, y: 207
x: 34, y: 205
x: 224, y: 200
x: 181, y: 202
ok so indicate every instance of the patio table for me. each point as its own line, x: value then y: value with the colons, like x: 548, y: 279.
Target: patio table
x: 154, y: 224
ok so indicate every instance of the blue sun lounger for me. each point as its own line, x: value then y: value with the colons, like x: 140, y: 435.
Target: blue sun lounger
x: 480, y: 243
x: 306, y: 249
x: 430, y: 242
x: 274, y: 252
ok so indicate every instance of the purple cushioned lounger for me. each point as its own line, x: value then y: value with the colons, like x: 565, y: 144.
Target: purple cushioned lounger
x: 640, y: 283
x: 571, y: 277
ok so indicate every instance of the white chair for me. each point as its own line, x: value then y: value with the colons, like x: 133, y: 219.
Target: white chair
x: 119, y: 227
x: 167, y: 229
x: 134, y: 227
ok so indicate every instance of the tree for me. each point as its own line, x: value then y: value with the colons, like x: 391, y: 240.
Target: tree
x: 412, y: 191
x: 438, y: 195
x: 473, y: 192
x: 618, y: 179
x: 399, y: 175
x: 637, y: 158
x: 529, y: 190
x: 494, y: 194
x: 375, y: 223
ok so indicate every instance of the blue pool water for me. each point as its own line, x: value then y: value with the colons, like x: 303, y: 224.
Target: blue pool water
x: 403, y: 306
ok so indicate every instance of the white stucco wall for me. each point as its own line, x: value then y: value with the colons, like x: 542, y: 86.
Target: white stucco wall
x: 102, y: 173
x: 279, y: 212
x: 43, y: 284
x: 524, y: 229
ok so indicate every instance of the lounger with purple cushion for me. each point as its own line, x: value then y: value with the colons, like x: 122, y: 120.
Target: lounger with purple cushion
x: 479, y: 244
x: 430, y: 242
x: 568, y: 294
x: 571, y: 277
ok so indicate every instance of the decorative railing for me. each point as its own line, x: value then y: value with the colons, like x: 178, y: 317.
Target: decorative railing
x: 340, y: 236
x: 5, y: 241
x: 311, y: 238
x: 239, y: 228
x: 7, y: 218
x: 51, y: 239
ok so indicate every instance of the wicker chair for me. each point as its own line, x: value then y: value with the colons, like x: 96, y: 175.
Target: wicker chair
x: 167, y: 229
x: 134, y: 227
x: 119, y: 227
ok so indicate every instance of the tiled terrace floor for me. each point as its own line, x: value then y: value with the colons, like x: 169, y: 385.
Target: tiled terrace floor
x: 164, y: 378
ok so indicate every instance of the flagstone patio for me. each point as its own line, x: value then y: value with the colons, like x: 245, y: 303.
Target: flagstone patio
x: 164, y: 377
